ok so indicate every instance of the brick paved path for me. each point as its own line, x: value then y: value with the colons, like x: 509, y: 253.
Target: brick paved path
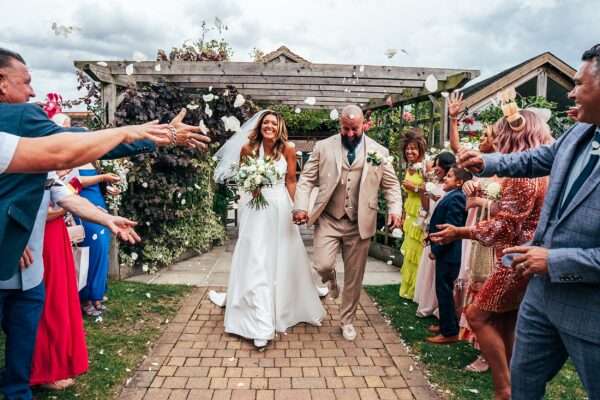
x: 195, y: 359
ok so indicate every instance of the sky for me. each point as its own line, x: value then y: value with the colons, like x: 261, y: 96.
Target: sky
x: 488, y: 35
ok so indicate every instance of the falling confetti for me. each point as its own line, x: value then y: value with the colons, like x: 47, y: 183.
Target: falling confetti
x: 445, y: 94
x: 362, y: 68
x: 94, y: 236
x: 390, y: 53
x: 311, y: 101
x: 134, y: 256
x: 157, y: 67
x: 203, y: 127
x: 192, y: 106
x: 138, y: 56
x: 431, y: 83
x: 404, y: 51
x: 334, y: 114
x: 102, y: 64
x: 239, y: 101
x: 208, y: 97
x: 63, y: 30
x: 102, y: 231
x: 148, y: 295
x: 145, y: 268
x: 297, y: 110
x: 208, y: 111
x: 475, y: 391
x: 183, y: 202
x: 231, y: 123
x: 144, y: 185
x: 129, y: 69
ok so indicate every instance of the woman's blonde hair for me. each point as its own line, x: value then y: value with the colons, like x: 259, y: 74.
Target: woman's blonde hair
x: 533, y: 133
x: 281, y: 139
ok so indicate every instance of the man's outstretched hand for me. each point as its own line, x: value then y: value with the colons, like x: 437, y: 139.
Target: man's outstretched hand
x: 470, y: 160
x: 188, y: 135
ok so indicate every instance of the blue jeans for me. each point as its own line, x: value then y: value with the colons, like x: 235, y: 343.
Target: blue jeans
x: 20, y: 313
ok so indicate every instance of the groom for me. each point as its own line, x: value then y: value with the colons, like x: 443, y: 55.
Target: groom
x: 348, y: 169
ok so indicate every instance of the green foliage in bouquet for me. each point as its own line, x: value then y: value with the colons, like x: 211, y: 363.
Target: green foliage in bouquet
x: 171, y: 192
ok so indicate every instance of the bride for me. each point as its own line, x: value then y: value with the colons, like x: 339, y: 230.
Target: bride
x: 271, y: 286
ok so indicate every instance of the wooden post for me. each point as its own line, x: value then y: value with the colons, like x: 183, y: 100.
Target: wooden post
x: 109, y: 101
x: 444, y: 122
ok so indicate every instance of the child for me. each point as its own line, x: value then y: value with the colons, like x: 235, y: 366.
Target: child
x: 450, y: 210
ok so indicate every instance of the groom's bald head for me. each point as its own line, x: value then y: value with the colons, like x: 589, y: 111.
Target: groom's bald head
x: 351, y: 121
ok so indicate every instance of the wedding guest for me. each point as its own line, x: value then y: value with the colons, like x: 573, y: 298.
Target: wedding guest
x: 98, y: 239
x: 21, y: 292
x: 471, y: 277
x: 492, y: 315
x: 425, y: 297
x: 560, y: 314
x: 451, y: 210
x: 413, y: 150
x: 60, y: 350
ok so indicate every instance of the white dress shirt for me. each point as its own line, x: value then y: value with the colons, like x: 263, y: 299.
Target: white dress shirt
x: 8, y: 146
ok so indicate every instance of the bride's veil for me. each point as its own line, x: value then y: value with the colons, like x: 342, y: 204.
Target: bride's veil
x: 228, y: 156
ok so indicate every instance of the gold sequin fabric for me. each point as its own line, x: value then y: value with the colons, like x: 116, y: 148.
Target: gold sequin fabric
x: 518, y: 212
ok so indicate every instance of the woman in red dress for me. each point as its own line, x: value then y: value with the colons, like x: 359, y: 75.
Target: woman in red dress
x: 60, y: 350
x: 492, y: 316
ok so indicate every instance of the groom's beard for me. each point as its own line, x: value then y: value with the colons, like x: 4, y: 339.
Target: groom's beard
x: 350, y: 143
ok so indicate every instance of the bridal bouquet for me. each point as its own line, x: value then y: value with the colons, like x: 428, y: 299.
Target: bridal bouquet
x: 255, y: 174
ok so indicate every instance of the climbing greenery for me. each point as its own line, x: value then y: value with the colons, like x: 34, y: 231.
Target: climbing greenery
x: 308, y: 121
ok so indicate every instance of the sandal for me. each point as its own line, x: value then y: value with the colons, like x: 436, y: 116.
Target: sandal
x: 59, y: 385
x: 479, y: 366
x: 91, y: 311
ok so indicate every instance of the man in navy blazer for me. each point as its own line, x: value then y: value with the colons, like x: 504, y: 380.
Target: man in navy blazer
x: 21, y: 300
x: 560, y: 314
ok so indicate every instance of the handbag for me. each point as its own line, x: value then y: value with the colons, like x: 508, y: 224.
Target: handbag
x: 76, y: 232
x: 482, y: 258
x: 81, y: 256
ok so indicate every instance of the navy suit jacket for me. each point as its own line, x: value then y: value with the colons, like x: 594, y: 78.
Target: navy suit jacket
x: 450, y: 210
x: 21, y: 194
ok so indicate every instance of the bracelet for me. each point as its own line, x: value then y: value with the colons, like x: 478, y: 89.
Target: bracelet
x: 454, y: 118
x: 173, y: 133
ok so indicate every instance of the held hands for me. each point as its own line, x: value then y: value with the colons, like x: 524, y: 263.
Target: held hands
x: 531, y: 260
x: 123, y: 228
x: 187, y: 135
x: 394, y: 221
x: 300, y: 217
x: 110, y: 178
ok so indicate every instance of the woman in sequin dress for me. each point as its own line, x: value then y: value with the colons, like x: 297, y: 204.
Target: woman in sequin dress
x: 413, y: 149
x: 492, y: 316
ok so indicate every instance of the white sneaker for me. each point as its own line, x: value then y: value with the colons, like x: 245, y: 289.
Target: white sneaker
x: 219, y: 299
x: 260, y: 344
x: 349, y: 332
x: 323, y: 291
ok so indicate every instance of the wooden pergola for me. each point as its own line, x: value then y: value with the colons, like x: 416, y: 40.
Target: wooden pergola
x: 279, y: 77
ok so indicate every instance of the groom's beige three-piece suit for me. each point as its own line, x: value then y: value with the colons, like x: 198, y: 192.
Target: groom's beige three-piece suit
x: 345, y: 210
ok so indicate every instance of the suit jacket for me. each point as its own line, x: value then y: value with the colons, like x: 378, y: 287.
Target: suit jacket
x: 324, y: 169
x: 450, y: 210
x: 21, y: 194
x: 571, y: 289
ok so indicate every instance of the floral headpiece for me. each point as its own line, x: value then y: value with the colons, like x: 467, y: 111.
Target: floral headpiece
x: 53, y: 104
x: 510, y: 109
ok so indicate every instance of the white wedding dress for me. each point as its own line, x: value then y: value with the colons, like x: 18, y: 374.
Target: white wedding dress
x: 271, y: 285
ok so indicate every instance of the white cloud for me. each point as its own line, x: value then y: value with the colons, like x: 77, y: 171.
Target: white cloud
x: 489, y: 35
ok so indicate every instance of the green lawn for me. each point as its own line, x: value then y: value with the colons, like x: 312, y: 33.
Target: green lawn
x: 445, y: 363
x: 136, y: 316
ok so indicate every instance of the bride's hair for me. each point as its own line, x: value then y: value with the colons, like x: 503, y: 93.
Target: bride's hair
x: 281, y: 139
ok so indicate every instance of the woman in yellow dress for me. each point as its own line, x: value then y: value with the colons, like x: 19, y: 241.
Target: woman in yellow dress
x: 413, y: 149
